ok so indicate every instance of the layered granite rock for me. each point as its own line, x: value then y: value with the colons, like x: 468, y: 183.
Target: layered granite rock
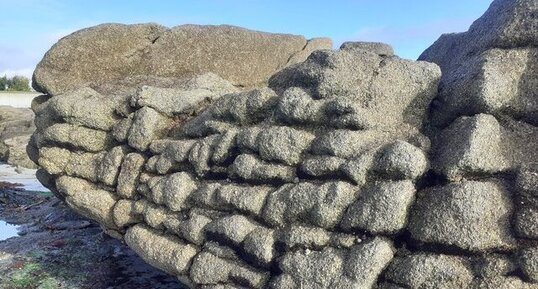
x: 256, y: 188
x: 351, y: 169
x: 484, y: 132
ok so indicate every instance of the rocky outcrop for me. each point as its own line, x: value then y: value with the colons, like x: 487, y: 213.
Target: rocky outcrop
x: 485, y: 138
x: 490, y: 68
x: 16, y: 127
x: 109, y: 52
x: 351, y: 169
x: 256, y: 188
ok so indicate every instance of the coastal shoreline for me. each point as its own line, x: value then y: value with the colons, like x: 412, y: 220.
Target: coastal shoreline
x: 17, y: 99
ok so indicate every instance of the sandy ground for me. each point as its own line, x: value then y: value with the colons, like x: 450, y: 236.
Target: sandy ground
x: 17, y: 99
x: 58, y: 249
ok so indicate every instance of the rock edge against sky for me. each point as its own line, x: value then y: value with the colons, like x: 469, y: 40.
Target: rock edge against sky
x: 290, y: 165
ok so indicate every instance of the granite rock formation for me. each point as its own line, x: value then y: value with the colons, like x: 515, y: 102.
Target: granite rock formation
x: 484, y: 129
x: 351, y: 169
x: 109, y: 52
x: 220, y: 186
x: 16, y: 128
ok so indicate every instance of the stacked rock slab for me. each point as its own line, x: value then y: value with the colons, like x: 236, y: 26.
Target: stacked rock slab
x: 485, y: 127
x: 342, y: 172
x: 302, y: 184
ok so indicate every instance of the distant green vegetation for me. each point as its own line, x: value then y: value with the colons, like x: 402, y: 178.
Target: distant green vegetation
x: 15, y: 83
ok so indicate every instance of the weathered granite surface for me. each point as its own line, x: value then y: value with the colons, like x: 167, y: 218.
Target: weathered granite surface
x: 108, y: 52
x: 351, y: 169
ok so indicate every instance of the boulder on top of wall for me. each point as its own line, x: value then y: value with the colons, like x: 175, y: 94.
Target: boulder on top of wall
x: 491, y: 67
x: 110, y: 52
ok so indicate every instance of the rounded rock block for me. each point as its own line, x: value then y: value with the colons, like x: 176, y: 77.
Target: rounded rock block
x: 470, y: 146
x: 422, y: 270
x: 164, y: 252
x: 470, y: 215
x: 381, y: 209
x: 108, y: 52
x: 528, y: 261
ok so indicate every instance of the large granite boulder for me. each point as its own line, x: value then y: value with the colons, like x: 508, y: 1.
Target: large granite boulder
x: 109, y: 52
x: 16, y: 127
x: 484, y: 129
x: 351, y: 169
x: 218, y: 185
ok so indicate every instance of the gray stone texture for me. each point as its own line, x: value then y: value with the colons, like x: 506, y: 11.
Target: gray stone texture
x: 429, y: 271
x: 240, y: 159
x: 164, y: 252
x: 379, y: 48
x: 502, y: 283
x: 110, y: 52
x: 196, y: 162
x: 527, y: 180
x: 210, y: 269
x: 402, y: 160
x: 368, y: 81
x: 493, y: 265
x: 332, y: 268
x: 470, y: 215
x: 382, y: 208
x: 208, y: 164
x: 528, y: 261
x: 470, y: 146
x: 491, y: 69
x: 483, y: 125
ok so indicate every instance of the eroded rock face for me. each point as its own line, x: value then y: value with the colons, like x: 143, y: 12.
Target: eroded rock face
x: 233, y: 184
x: 490, y: 68
x: 336, y: 175
x: 485, y: 138
x: 110, y: 52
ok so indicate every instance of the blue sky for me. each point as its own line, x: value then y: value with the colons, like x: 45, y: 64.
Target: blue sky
x: 29, y: 28
x: 7, y: 230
